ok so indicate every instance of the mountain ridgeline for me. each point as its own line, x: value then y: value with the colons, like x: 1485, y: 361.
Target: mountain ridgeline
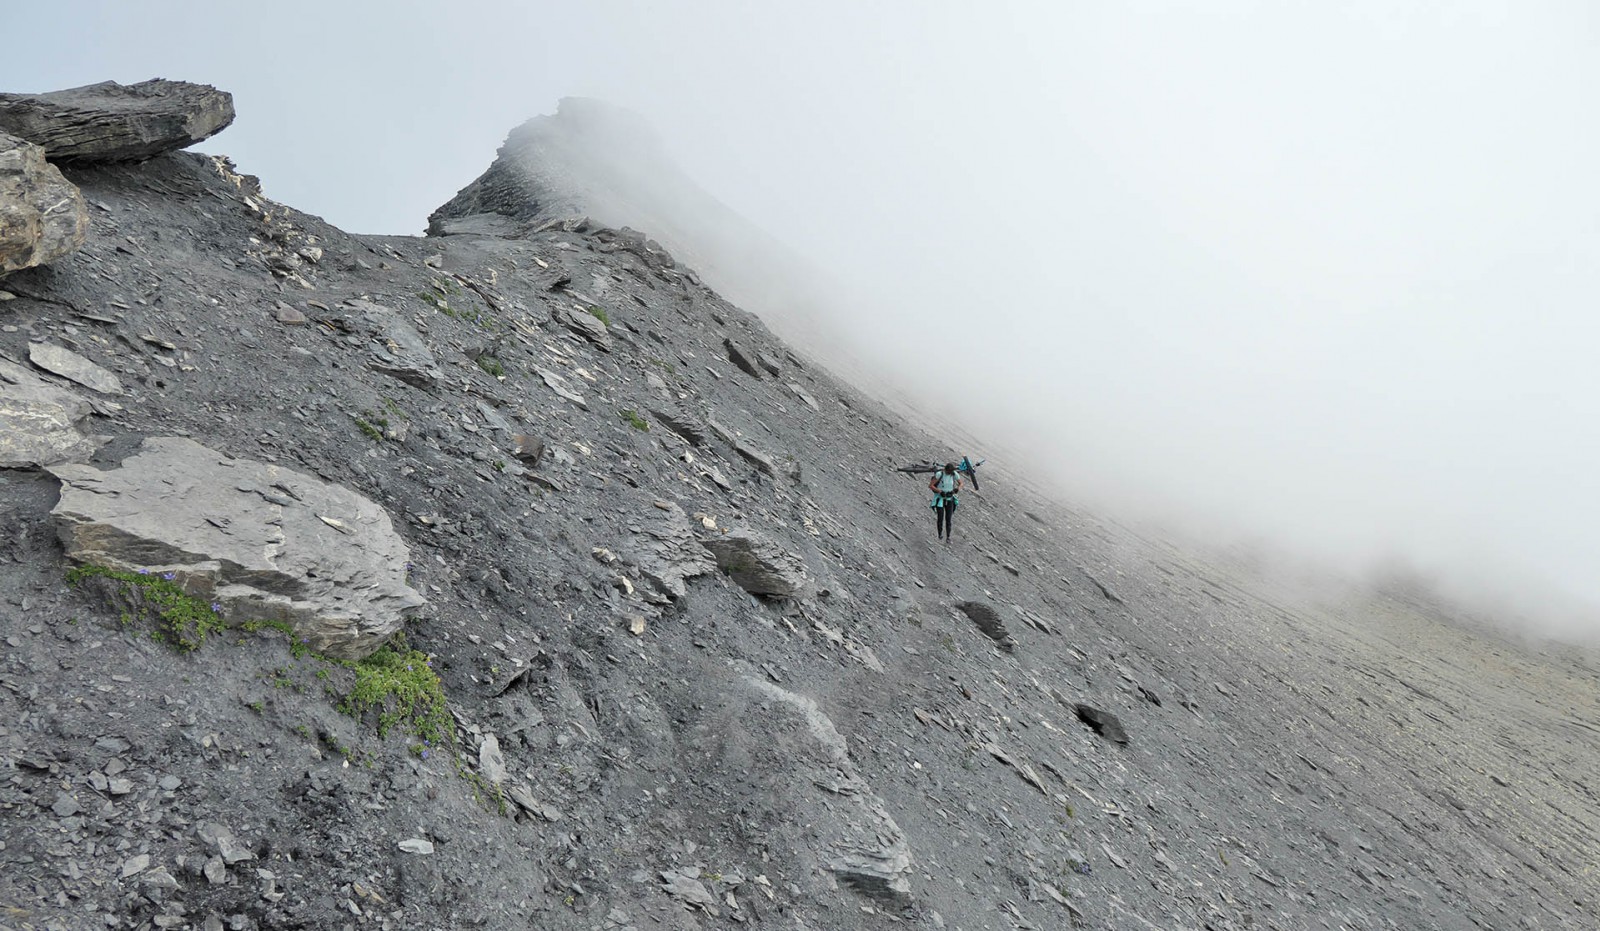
x: 511, y: 577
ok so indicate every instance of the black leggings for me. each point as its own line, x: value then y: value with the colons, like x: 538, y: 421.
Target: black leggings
x: 943, y: 518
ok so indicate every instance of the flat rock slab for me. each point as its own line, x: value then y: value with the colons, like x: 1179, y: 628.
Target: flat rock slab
x: 111, y: 122
x: 42, y: 215
x: 260, y: 541
x: 760, y: 566
x: 668, y: 554
x: 41, y: 424
x: 586, y: 325
x: 58, y: 360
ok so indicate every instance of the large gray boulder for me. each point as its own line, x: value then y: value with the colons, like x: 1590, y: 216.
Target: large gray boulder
x: 42, y: 214
x: 111, y: 122
x: 760, y: 566
x: 40, y: 424
x: 260, y: 541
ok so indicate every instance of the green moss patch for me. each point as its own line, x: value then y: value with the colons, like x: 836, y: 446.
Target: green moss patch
x: 177, y: 617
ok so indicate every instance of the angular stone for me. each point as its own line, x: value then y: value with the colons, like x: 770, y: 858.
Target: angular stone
x: 133, y: 866
x: 417, y: 845
x: 528, y: 449
x: 224, y: 844
x: 111, y: 122
x: 679, y: 421
x: 398, y: 349
x: 40, y: 424
x: 491, y: 762
x: 42, y: 215
x: 988, y: 620
x: 754, y: 456
x: 740, y: 357
x: 58, y: 360
x: 760, y: 566
x: 1103, y: 723
x: 587, y: 325
x: 258, y: 541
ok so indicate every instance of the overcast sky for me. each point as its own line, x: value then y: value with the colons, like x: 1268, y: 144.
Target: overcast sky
x: 1307, y: 272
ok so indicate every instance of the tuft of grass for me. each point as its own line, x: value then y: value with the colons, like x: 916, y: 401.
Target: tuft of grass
x: 492, y: 366
x: 634, y: 420
x: 664, y: 365
x: 372, y: 431
x: 180, y: 619
x: 599, y: 314
x: 399, y: 684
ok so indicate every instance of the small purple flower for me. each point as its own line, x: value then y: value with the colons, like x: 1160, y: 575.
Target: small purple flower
x: 216, y: 608
x: 424, y: 754
x: 1083, y: 868
x: 144, y: 571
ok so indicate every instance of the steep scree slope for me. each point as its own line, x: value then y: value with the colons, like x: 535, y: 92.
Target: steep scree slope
x: 553, y: 423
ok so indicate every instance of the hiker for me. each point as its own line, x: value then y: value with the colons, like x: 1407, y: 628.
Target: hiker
x: 945, y: 485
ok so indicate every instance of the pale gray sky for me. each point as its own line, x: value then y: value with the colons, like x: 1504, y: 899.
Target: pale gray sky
x: 1310, y: 272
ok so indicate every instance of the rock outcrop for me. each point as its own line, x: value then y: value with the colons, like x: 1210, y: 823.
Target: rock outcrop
x: 111, y: 122
x: 40, y: 424
x: 42, y: 214
x: 668, y: 554
x: 760, y: 566
x: 860, y: 841
x: 260, y: 541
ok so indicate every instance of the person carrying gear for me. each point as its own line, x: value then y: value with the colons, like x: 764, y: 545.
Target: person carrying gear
x: 945, y: 485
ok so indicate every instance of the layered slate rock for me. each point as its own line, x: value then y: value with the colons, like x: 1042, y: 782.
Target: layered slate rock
x: 40, y: 424
x: 42, y: 214
x: 668, y: 553
x: 260, y: 541
x: 58, y: 360
x: 758, y: 565
x: 988, y: 620
x: 398, y: 349
x: 812, y: 780
x: 111, y: 122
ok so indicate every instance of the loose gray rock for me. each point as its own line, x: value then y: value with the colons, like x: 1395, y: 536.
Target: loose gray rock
x: 417, y: 845
x: 398, y: 349
x: 988, y: 620
x: 111, y: 122
x: 754, y: 456
x: 760, y: 566
x: 741, y: 358
x: 679, y: 421
x: 69, y: 365
x: 1103, y: 723
x: 586, y: 325
x: 259, y: 541
x: 491, y: 762
x: 42, y: 215
x: 41, y: 424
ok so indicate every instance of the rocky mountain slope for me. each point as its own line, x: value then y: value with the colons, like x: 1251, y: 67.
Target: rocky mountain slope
x: 676, y: 648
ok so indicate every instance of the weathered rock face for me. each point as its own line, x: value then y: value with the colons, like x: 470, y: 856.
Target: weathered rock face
x: 111, y: 122
x: 587, y: 325
x: 40, y: 424
x: 861, y: 843
x: 261, y: 541
x: 397, y: 348
x: 668, y: 555
x: 760, y: 566
x: 42, y: 214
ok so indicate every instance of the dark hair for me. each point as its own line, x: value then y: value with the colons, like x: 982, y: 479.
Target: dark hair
x: 949, y: 467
